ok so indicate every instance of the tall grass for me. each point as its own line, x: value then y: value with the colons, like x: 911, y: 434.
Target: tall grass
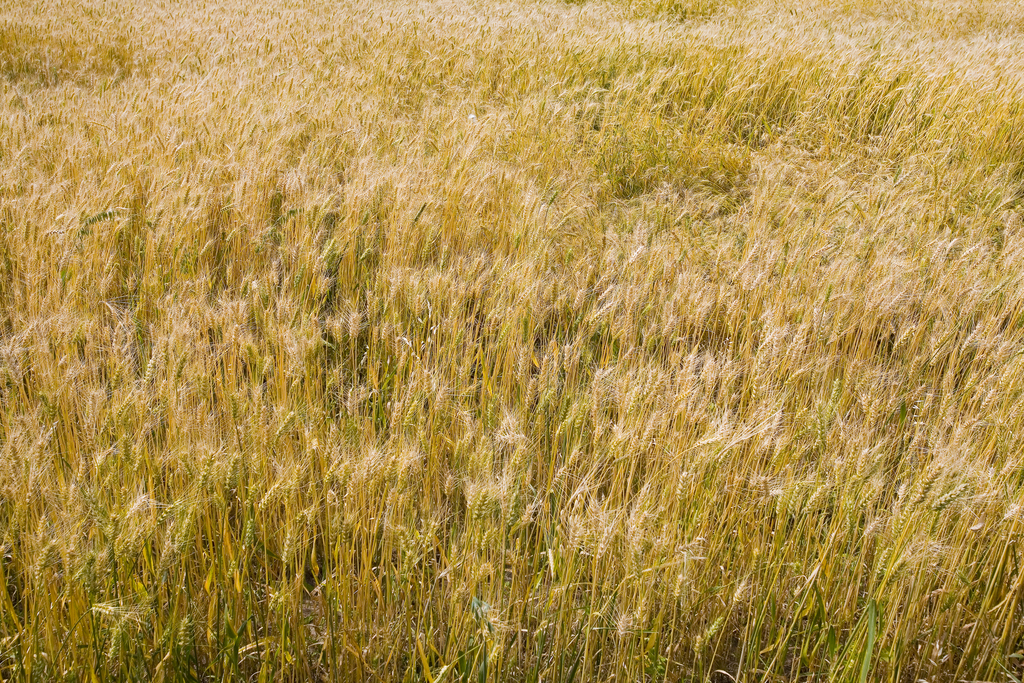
x: 437, y: 341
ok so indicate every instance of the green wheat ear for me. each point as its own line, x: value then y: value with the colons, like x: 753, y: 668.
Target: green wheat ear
x: 107, y: 215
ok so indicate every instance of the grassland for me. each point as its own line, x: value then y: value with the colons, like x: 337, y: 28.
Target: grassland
x: 665, y: 340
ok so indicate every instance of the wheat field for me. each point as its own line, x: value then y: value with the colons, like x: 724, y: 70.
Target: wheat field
x: 423, y: 340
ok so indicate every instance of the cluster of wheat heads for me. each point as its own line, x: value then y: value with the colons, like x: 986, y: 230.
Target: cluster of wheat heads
x: 532, y: 341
